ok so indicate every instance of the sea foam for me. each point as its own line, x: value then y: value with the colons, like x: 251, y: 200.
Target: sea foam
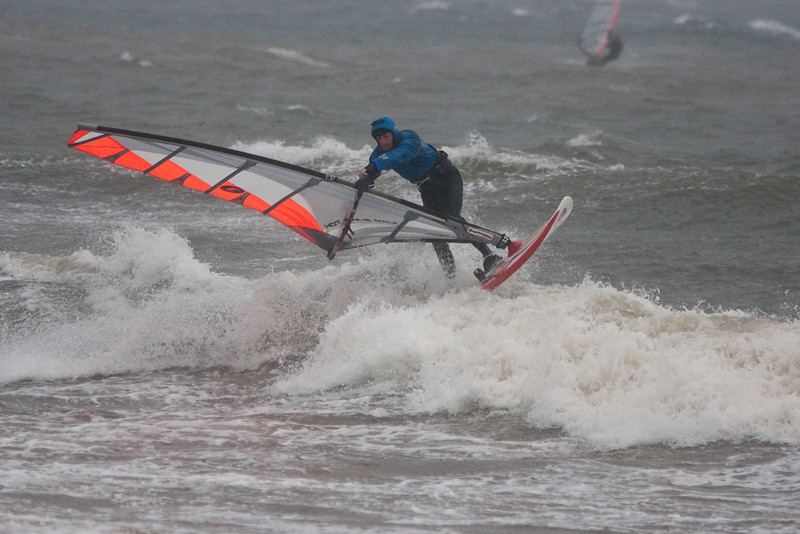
x: 296, y: 57
x: 773, y: 27
x: 602, y: 364
x: 329, y: 154
x: 605, y: 365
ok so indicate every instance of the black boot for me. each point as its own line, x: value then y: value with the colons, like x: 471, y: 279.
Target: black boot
x: 490, y: 261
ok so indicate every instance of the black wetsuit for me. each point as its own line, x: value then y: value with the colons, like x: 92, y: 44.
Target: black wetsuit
x: 443, y: 190
x: 437, y: 179
x: 614, y: 49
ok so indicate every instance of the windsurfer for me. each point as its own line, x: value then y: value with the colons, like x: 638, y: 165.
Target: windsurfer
x: 439, y: 181
x: 611, y: 51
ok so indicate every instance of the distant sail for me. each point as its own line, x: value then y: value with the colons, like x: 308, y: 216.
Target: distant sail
x: 306, y: 201
x: 595, y: 38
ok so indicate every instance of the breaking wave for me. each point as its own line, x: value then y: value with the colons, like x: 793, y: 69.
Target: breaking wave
x: 609, y: 366
x: 328, y: 154
x: 297, y: 57
x: 773, y: 27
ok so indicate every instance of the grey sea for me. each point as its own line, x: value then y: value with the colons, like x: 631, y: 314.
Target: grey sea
x: 173, y: 363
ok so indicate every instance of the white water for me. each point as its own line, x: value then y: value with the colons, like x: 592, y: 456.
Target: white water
x: 296, y: 56
x: 607, y: 366
x: 328, y: 154
x: 774, y: 27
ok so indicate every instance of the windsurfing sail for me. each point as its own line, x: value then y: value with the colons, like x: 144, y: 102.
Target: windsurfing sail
x: 308, y: 202
x: 594, y: 41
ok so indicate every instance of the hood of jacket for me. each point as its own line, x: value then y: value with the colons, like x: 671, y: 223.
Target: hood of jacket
x: 384, y: 123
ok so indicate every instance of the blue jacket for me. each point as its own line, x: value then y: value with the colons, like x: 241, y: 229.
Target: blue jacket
x: 409, y: 157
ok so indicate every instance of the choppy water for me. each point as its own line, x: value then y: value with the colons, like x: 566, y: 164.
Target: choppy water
x: 171, y: 363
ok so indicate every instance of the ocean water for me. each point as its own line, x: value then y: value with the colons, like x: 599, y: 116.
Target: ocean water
x: 171, y: 363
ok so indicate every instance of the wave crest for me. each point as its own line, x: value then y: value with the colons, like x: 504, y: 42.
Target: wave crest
x: 608, y: 366
x: 773, y: 27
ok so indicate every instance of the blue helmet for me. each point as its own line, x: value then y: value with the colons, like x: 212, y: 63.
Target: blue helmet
x: 384, y: 124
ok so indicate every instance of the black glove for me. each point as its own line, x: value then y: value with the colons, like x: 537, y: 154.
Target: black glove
x: 364, y: 183
x: 368, y: 175
x: 372, y: 171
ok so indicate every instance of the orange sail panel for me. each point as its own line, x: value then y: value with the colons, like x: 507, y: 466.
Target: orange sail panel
x: 170, y: 172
